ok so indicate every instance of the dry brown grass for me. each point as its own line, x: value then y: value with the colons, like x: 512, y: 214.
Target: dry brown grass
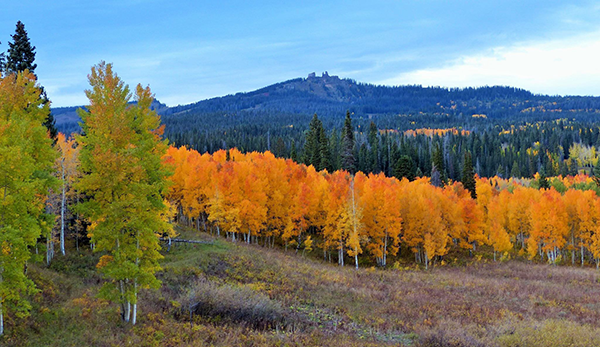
x: 251, y: 296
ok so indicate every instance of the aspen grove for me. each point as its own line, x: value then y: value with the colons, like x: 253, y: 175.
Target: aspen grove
x: 258, y: 198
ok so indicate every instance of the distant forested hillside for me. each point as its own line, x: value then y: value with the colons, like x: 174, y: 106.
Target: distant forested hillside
x: 508, y: 128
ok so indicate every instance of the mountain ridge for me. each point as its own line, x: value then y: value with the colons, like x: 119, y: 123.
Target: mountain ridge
x: 332, y: 96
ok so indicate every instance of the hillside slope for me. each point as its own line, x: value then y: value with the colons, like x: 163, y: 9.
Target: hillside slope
x: 247, y: 295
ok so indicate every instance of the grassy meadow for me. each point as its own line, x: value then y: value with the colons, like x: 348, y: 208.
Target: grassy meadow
x: 234, y: 294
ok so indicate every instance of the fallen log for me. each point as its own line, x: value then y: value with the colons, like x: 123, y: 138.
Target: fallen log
x: 170, y: 240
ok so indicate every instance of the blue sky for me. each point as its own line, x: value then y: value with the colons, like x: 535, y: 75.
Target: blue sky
x: 192, y: 50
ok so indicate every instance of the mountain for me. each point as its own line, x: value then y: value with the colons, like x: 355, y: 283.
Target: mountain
x: 67, y: 120
x: 331, y: 96
x: 510, y: 131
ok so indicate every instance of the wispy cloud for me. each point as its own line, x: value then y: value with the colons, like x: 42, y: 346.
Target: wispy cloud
x: 564, y: 66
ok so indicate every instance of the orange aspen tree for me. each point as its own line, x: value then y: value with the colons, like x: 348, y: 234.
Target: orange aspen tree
x: 334, y: 237
x: 381, y: 216
x: 497, y: 233
x: 519, y: 216
x: 253, y: 209
x: 277, y: 203
x: 351, y: 221
x: 549, y: 227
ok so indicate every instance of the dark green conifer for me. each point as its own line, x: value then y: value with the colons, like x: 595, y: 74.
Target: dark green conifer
x: 347, y: 150
x: 405, y: 168
x: 293, y: 152
x: 21, y: 57
x: 543, y: 181
x: 515, y: 172
x: 21, y: 54
x: 438, y: 162
x: 468, y: 176
x: 279, y: 149
x: 324, y: 154
x: 311, y: 146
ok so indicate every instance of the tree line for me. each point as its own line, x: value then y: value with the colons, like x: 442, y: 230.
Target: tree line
x: 258, y: 198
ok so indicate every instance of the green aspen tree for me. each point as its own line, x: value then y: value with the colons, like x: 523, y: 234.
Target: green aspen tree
x: 124, y: 177
x: 26, y: 164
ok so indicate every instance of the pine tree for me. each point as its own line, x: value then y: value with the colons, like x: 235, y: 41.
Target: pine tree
x: 374, y: 148
x: 21, y: 57
x: 324, y: 154
x: 293, y: 152
x: 468, y: 176
x: 405, y: 168
x: 121, y: 155
x: 543, y: 181
x: 21, y: 54
x: 347, y: 154
x: 515, y: 172
x: 26, y: 164
x: 437, y: 158
x: 279, y: 149
x: 2, y: 61
x: 311, y: 146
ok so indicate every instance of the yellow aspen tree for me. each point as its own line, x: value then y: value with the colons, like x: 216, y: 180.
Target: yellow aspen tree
x: 125, y: 180
x: 68, y: 170
x: 335, y: 237
x: 26, y: 165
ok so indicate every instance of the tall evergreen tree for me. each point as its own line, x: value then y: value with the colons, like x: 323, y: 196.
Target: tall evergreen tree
x: 347, y: 154
x: 324, y: 154
x: 468, y: 175
x: 334, y: 150
x: 543, y: 181
x: 437, y: 158
x: 311, y: 146
x: 293, y: 152
x: 374, y: 148
x: 21, y: 54
x: 405, y: 168
x: 279, y: 149
x: 21, y: 57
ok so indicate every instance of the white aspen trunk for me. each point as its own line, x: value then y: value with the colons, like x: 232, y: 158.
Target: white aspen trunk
x: 135, y: 288
x: 385, y: 250
x: 494, y: 255
x: 426, y: 261
x: 63, y: 204
x: 128, y: 312
x: 341, y: 254
x: 573, y: 249
x: 1, y: 318
x: 49, y: 250
x: 354, y: 225
x: 581, y: 255
x: 249, y: 234
x: 133, y: 320
x: 218, y: 230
